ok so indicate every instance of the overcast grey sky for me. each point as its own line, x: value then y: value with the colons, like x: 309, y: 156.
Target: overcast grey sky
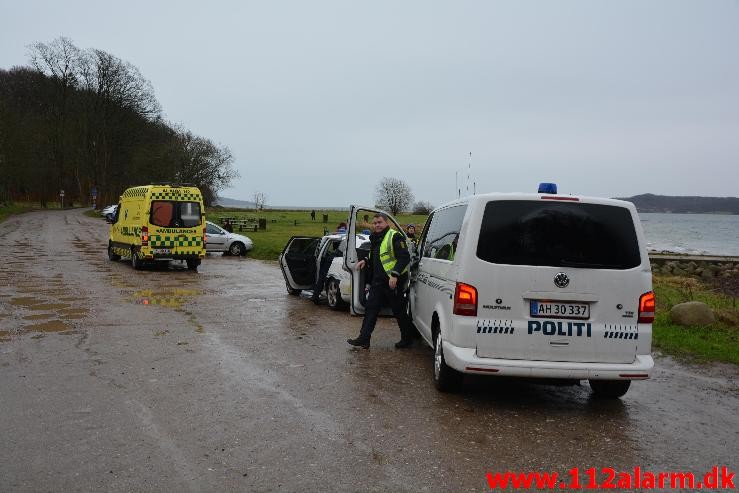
x: 318, y: 100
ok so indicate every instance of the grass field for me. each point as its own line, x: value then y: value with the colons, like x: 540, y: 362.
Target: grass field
x: 281, y: 225
x: 719, y: 342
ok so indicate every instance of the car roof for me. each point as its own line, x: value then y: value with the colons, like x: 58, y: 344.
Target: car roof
x: 486, y: 197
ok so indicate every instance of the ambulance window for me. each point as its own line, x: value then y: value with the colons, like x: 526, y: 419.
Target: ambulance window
x: 162, y: 213
x: 440, y: 240
x: 190, y: 214
x: 524, y: 232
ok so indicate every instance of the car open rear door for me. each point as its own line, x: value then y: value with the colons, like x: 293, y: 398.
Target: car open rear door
x: 298, y: 262
x: 353, y: 255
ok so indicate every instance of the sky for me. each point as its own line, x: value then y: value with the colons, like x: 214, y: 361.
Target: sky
x: 319, y: 100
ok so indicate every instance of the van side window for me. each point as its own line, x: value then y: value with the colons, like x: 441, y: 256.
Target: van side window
x: 440, y: 240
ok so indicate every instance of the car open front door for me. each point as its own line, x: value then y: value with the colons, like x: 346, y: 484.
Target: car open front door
x: 298, y: 262
x: 363, y: 215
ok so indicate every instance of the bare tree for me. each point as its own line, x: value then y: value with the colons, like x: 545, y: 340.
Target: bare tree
x: 203, y: 163
x: 393, y: 195
x: 422, y: 207
x: 57, y: 60
x: 260, y: 198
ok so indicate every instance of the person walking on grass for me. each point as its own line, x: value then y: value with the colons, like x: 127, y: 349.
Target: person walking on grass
x: 387, y: 273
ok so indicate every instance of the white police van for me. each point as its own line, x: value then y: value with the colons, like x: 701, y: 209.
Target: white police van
x: 535, y: 285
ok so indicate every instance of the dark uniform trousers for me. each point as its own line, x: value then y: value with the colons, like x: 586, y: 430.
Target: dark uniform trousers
x: 381, y: 295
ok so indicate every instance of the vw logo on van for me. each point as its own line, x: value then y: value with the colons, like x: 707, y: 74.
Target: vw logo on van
x: 561, y: 280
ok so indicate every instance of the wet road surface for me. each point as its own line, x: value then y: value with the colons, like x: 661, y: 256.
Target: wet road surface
x: 170, y: 380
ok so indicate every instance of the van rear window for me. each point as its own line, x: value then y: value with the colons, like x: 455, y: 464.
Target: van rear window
x: 558, y: 234
x: 174, y: 214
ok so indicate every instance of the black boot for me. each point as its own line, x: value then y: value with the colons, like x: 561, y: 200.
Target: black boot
x: 404, y: 343
x: 359, y: 343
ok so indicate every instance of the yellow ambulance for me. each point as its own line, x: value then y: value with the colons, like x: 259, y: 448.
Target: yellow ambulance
x: 160, y: 222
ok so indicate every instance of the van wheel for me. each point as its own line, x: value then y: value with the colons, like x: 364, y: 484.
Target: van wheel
x: 136, y: 261
x: 446, y: 379
x: 609, y: 389
x: 333, y: 294
x: 236, y: 249
x: 111, y: 254
x: 193, y: 264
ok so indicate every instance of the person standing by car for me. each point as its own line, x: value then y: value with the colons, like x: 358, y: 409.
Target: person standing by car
x: 410, y: 232
x: 387, y: 271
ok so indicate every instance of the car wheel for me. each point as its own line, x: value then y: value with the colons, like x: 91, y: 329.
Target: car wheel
x: 333, y: 295
x: 446, y: 379
x: 610, y: 389
x: 136, y: 261
x: 292, y: 291
x: 111, y: 254
x: 193, y: 264
x: 236, y: 249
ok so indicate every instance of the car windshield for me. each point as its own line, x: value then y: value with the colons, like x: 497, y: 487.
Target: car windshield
x: 173, y: 214
x: 544, y: 233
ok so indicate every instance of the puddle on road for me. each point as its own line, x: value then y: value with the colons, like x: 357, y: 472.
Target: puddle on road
x: 25, y: 301
x: 49, y: 326
x: 38, y: 316
x: 171, y: 298
x: 49, y: 306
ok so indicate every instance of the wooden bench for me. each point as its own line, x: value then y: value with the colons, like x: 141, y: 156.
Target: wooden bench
x: 250, y: 223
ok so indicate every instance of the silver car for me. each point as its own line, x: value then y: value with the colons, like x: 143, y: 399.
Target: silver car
x: 218, y: 239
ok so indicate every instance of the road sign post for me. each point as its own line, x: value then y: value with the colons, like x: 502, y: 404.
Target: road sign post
x: 61, y: 197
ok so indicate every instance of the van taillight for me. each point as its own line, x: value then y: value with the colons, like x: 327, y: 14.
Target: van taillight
x: 145, y: 236
x: 465, y: 300
x: 204, y: 238
x: 646, y: 308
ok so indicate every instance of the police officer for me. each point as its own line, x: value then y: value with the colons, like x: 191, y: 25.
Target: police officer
x: 387, y: 268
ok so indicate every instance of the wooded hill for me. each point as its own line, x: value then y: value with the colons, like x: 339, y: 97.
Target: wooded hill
x: 687, y: 205
x: 77, y: 119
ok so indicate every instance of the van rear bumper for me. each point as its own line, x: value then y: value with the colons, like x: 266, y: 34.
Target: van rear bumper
x: 466, y: 361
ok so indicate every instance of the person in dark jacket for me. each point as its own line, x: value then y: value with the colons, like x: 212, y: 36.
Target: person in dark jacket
x: 387, y: 273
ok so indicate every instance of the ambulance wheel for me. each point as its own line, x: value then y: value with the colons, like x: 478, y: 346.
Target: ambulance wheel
x: 446, y: 379
x: 237, y: 249
x: 610, y: 389
x: 333, y: 295
x: 193, y: 264
x: 136, y: 261
x: 111, y: 254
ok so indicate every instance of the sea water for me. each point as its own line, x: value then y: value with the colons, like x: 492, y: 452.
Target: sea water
x: 700, y: 234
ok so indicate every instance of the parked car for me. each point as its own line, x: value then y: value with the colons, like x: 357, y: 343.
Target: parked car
x: 109, y: 210
x: 538, y: 285
x: 218, y: 239
x: 301, y: 263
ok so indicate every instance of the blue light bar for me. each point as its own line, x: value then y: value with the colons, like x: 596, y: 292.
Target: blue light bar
x: 548, y: 188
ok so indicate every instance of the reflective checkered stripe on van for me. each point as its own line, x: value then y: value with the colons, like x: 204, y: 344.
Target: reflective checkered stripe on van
x: 135, y: 192
x: 167, y: 241
x: 171, y: 195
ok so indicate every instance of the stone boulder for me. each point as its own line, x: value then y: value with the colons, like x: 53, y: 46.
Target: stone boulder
x: 692, y: 313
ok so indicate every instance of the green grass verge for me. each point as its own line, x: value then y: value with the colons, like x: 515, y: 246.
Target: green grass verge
x: 281, y: 225
x: 718, y: 342
x: 93, y: 213
x: 10, y: 209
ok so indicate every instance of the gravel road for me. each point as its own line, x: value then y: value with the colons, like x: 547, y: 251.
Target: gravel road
x: 171, y: 380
